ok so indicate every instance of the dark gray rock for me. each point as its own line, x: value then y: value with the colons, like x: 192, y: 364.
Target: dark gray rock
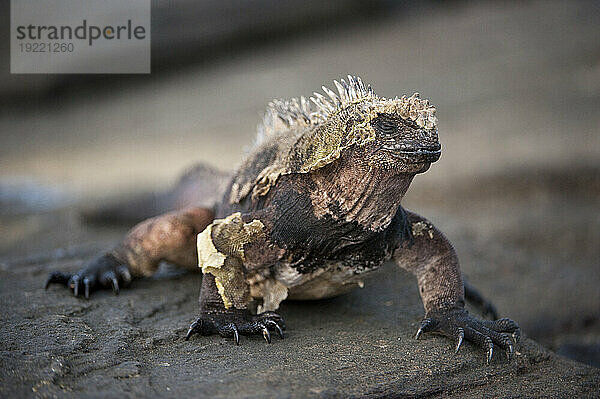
x: 356, y: 345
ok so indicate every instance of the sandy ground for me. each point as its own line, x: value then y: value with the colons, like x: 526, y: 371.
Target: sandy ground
x: 517, y: 191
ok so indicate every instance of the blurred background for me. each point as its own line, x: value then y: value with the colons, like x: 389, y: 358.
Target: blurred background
x: 516, y: 86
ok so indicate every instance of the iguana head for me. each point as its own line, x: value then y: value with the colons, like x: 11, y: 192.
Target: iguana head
x: 406, y: 136
x: 398, y: 135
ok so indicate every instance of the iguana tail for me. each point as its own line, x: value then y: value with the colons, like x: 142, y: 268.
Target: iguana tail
x: 200, y: 186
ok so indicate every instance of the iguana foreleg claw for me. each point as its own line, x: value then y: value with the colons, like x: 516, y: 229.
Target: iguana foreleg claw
x: 104, y: 272
x: 234, y: 323
x: 458, y: 325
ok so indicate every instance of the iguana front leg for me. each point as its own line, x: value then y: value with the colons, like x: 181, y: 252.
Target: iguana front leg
x: 227, y: 250
x: 432, y: 259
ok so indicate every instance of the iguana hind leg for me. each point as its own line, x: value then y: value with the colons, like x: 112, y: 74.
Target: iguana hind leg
x: 170, y: 237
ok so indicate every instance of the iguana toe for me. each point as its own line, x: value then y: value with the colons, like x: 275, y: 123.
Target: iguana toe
x: 233, y: 323
x: 276, y: 326
x: 459, y: 325
x: 104, y: 272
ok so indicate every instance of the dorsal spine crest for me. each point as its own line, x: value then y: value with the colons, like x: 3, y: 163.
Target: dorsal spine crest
x: 299, y: 112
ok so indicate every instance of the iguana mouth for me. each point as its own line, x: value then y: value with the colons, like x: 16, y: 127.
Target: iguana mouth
x: 411, y: 154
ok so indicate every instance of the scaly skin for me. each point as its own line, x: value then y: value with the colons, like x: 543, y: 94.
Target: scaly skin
x: 315, y: 205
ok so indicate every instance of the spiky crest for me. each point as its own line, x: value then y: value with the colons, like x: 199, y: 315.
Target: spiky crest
x: 282, y: 114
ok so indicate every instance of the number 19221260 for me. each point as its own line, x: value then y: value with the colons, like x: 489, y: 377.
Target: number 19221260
x: 47, y: 47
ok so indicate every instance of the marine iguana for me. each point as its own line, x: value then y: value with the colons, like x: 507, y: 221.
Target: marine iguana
x: 312, y: 209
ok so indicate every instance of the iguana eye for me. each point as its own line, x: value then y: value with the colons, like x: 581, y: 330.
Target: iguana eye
x: 385, y: 125
x: 388, y: 128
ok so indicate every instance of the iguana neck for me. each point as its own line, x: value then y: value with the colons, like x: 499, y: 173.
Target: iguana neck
x: 353, y: 191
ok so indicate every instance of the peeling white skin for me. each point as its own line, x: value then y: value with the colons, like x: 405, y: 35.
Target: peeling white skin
x: 287, y: 283
x: 225, y: 264
x: 273, y: 285
x: 208, y: 255
x: 422, y: 228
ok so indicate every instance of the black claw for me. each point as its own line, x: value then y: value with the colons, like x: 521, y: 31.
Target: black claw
x: 510, y: 351
x: 265, y: 332
x: 461, y: 336
x: 110, y: 278
x: 426, y: 325
x: 86, y: 285
x: 272, y: 316
x: 490, y: 352
x: 236, y: 334
x: 115, y: 284
x: 419, y: 332
x: 517, y: 335
x: 274, y: 324
x: 192, y: 330
x: 75, y: 284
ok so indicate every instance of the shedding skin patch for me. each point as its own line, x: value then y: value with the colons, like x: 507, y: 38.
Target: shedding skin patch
x: 422, y: 229
x: 273, y: 293
x: 221, y: 253
x: 208, y: 255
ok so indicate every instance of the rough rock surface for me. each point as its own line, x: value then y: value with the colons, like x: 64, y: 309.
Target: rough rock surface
x: 516, y: 191
x: 357, y: 345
